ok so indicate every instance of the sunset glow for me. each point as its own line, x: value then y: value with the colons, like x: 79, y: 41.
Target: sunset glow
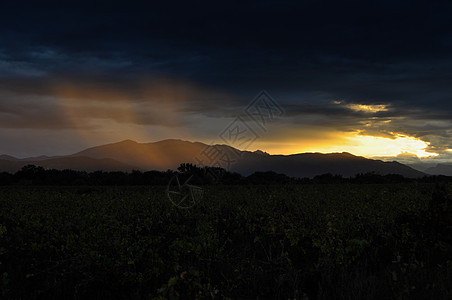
x: 380, y: 146
x: 367, y: 108
x: 369, y: 146
x: 138, y: 78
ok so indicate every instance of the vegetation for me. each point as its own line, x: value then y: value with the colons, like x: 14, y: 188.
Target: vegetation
x: 33, y: 175
x: 314, y: 240
x: 304, y: 241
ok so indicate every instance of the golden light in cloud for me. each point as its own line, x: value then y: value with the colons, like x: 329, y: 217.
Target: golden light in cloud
x: 363, y: 107
x: 369, y: 146
x: 367, y: 108
x: 381, y: 146
x: 102, y: 115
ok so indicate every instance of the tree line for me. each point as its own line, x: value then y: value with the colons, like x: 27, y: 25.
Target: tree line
x: 36, y: 175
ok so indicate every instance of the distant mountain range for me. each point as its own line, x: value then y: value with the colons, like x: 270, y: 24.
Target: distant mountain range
x: 169, y: 154
x: 440, y: 169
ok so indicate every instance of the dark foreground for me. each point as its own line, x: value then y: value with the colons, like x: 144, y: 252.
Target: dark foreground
x: 312, y: 241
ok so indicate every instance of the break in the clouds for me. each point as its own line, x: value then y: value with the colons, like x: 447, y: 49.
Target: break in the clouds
x: 347, y: 73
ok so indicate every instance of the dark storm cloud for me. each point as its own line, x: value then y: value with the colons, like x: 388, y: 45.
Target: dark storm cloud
x: 251, y: 41
x: 306, y: 53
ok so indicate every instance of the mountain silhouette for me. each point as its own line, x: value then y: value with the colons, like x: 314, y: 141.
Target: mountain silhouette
x: 162, y: 155
x: 78, y: 163
x: 169, y: 154
x: 8, y: 158
x: 311, y: 164
x: 440, y: 169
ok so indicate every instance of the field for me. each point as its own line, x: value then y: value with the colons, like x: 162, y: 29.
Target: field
x: 295, y: 241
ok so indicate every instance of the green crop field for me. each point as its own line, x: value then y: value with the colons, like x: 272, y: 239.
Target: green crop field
x: 305, y: 241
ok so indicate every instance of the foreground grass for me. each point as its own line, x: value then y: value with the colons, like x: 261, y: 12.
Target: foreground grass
x: 326, y: 241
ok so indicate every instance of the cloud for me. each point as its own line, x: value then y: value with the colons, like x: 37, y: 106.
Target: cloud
x: 387, y: 65
x: 367, y: 108
x: 77, y: 103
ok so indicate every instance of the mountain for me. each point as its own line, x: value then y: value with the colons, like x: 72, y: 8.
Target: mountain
x: 440, y: 169
x: 39, y: 158
x: 311, y: 164
x: 78, y: 163
x: 8, y: 158
x: 81, y: 163
x: 162, y: 155
x: 421, y: 166
x: 169, y: 154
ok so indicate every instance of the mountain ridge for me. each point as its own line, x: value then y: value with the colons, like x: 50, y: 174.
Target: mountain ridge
x: 128, y: 155
x: 440, y: 169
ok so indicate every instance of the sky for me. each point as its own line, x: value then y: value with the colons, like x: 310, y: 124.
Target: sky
x: 372, y: 78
